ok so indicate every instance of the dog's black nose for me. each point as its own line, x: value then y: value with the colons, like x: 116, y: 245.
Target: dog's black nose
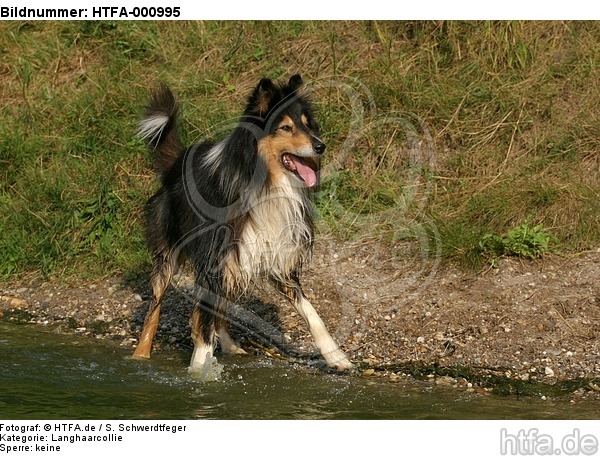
x: 319, y: 147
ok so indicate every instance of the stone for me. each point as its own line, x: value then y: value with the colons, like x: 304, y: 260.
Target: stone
x: 17, y: 303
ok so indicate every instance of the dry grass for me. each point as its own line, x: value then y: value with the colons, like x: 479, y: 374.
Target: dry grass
x: 451, y: 130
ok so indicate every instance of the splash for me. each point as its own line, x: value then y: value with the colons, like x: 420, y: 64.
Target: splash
x: 210, y: 371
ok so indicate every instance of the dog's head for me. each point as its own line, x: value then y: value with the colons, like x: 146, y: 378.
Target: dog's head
x: 291, y: 143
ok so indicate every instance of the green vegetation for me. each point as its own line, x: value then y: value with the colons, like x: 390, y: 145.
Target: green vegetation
x: 522, y: 241
x: 469, y: 129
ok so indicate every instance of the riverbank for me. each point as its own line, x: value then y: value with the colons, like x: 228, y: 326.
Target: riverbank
x: 527, y: 322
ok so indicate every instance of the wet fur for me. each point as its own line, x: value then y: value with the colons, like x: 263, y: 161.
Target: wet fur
x: 235, y: 211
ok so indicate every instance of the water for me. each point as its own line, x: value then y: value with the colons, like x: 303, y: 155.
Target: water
x: 50, y: 376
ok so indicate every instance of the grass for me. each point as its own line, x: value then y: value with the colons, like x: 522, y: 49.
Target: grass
x: 472, y: 128
x: 523, y: 241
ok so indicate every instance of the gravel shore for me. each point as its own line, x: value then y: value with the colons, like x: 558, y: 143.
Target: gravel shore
x: 524, y: 320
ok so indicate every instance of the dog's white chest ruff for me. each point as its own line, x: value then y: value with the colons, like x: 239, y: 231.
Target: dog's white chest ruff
x: 275, y: 239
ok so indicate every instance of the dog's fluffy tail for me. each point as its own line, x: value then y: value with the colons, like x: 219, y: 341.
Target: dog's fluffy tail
x: 158, y: 129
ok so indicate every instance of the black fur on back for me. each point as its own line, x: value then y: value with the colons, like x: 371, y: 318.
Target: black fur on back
x: 199, y: 210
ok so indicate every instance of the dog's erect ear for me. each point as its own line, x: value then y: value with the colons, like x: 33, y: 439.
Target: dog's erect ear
x: 265, y: 85
x: 262, y: 96
x: 295, y: 82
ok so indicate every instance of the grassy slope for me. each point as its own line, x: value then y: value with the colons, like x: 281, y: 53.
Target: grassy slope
x: 509, y: 110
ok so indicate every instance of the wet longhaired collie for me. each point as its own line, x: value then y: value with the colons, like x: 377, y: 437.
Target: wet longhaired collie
x: 238, y: 210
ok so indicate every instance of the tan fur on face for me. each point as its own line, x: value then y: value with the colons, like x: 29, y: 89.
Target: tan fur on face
x: 273, y: 146
x: 304, y: 120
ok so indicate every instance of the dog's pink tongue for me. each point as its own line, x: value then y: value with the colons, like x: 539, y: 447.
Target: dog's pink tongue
x: 306, y: 172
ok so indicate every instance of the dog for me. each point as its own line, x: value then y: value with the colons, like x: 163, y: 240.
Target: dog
x: 238, y: 210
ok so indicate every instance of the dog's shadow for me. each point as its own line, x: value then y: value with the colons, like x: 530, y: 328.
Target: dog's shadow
x: 254, y: 321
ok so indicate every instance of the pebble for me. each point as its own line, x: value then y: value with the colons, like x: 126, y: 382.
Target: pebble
x: 420, y: 339
x: 17, y: 303
x: 445, y: 380
x: 137, y: 297
x: 549, y: 372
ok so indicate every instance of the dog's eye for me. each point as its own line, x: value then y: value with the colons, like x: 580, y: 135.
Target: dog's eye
x: 286, y: 128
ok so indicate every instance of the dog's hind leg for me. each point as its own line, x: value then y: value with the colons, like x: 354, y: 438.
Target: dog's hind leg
x: 328, y: 347
x: 162, y: 274
x: 228, y: 345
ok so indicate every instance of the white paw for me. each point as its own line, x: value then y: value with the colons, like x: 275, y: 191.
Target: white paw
x: 235, y: 350
x: 343, y: 365
x: 339, y: 361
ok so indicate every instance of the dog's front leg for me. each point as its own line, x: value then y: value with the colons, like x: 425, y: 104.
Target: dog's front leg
x: 328, y: 347
x: 203, y: 336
